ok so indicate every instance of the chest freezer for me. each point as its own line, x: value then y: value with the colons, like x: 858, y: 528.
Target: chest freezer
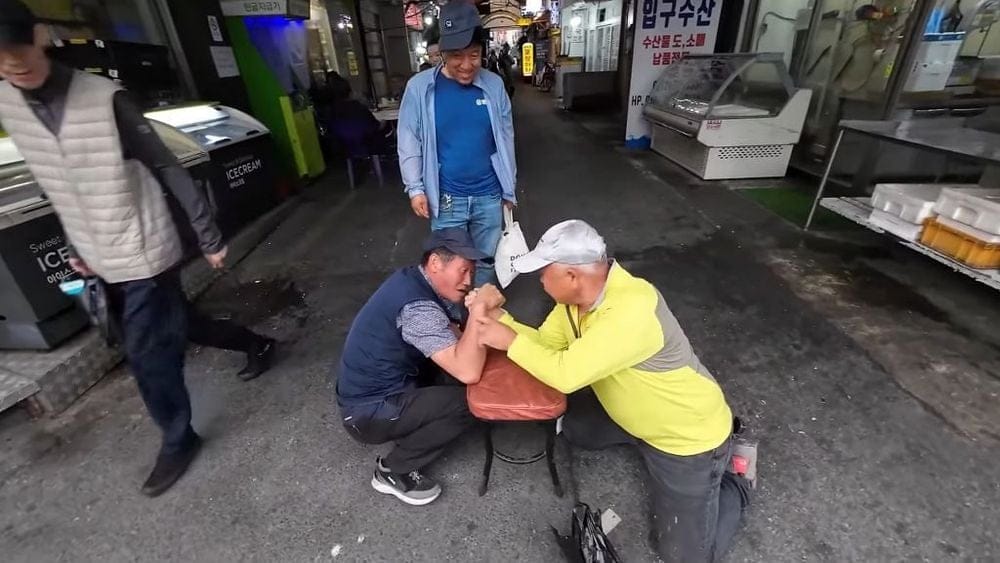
x: 239, y: 171
x: 34, y: 313
x: 210, y: 126
x: 725, y: 116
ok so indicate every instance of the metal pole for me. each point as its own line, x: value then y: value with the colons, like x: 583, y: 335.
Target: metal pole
x: 744, y: 41
x: 364, y: 49
x: 814, y: 21
x: 826, y: 176
x: 912, y: 37
x: 177, y: 48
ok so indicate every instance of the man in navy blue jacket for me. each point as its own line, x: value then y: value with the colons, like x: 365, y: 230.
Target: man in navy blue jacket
x: 409, y: 320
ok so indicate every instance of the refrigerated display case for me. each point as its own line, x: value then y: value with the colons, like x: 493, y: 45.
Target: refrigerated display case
x: 34, y: 313
x: 727, y: 115
x: 230, y: 153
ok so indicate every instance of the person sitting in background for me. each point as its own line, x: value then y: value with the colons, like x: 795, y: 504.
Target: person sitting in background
x: 405, y: 323
x: 350, y: 122
x: 614, y: 333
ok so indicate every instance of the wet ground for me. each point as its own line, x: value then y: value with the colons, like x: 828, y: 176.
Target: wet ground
x: 866, y: 375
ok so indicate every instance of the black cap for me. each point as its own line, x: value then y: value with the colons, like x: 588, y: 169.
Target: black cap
x: 455, y: 240
x: 458, y: 21
x: 17, y: 24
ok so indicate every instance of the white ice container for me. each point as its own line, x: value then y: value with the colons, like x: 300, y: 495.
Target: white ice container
x: 912, y: 203
x: 978, y: 208
x: 893, y: 224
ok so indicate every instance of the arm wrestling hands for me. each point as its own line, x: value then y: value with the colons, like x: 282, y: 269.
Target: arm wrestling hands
x: 484, y: 306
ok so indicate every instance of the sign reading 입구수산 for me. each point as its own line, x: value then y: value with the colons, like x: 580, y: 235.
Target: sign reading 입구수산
x: 666, y: 31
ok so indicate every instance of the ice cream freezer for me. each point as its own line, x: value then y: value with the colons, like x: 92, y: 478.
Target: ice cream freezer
x: 34, y: 313
x: 727, y: 116
x: 237, y: 169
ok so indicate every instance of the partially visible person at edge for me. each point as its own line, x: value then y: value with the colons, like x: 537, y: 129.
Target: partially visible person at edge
x: 433, y: 50
x: 403, y: 331
x: 613, y: 332
x: 456, y: 139
x: 506, y: 68
x: 494, y: 65
x: 104, y: 169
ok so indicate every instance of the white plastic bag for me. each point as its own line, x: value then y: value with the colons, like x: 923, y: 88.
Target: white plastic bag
x: 512, y: 246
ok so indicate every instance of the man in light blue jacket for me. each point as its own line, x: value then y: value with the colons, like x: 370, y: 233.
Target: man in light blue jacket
x: 456, y: 139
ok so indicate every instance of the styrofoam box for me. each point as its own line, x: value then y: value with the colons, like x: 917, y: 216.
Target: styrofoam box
x: 988, y: 238
x: 893, y: 224
x: 978, y: 208
x: 910, y: 202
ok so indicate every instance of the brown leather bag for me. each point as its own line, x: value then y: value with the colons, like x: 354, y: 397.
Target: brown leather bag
x: 507, y: 393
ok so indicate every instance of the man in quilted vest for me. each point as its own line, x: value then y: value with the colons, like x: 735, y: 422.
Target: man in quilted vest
x: 104, y: 170
x: 406, y: 330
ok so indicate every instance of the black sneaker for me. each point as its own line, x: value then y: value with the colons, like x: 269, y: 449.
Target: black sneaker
x: 170, y: 468
x: 411, y: 488
x: 259, y: 359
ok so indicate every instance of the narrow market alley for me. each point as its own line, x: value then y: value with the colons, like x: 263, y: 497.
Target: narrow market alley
x: 856, y: 464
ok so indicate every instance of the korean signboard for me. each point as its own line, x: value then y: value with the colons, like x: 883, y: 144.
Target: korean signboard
x: 666, y: 31
x: 292, y: 8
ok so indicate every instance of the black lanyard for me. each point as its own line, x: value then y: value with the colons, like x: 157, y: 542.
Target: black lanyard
x: 572, y: 323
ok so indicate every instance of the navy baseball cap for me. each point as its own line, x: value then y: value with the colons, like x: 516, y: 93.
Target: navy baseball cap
x: 458, y: 21
x: 17, y: 24
x: 455, y: 240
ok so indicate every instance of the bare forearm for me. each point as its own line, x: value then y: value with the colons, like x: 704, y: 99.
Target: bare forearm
x: 470, y: 355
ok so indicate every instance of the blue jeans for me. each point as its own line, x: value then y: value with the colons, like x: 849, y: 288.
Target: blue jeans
x: 482, y: 216
x: 153, y: 318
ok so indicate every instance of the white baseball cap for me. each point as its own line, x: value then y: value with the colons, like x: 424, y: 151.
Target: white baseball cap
x: 572, y: 242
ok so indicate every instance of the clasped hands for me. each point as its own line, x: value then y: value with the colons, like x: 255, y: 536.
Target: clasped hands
x: 484, y: 305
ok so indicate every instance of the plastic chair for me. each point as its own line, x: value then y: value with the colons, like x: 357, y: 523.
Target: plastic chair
x: 358, y: 140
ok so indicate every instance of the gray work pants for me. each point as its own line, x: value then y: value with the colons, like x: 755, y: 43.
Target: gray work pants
x: 697, y: 504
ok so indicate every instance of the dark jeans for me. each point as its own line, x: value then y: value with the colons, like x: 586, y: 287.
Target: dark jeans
x: 697, y: 504
x: 157, y: 321
x: 152, y: 314
x: 422, y: 422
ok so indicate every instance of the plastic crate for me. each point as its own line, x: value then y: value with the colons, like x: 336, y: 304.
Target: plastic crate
x: 967, y: 250
x: 913, y: 203
x: 981, y: 236
x: 978, y: 208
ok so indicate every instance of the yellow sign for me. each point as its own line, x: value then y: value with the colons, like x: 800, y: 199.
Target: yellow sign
x: 53, y: 9
x: 527, y: 59
x: 352, y: 63
x: 523, y: 22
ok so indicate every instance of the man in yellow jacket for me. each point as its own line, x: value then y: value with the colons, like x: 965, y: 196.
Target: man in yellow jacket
x: 614, y: 333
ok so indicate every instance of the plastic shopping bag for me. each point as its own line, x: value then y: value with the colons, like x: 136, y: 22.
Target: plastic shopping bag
x: 512, y: 246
